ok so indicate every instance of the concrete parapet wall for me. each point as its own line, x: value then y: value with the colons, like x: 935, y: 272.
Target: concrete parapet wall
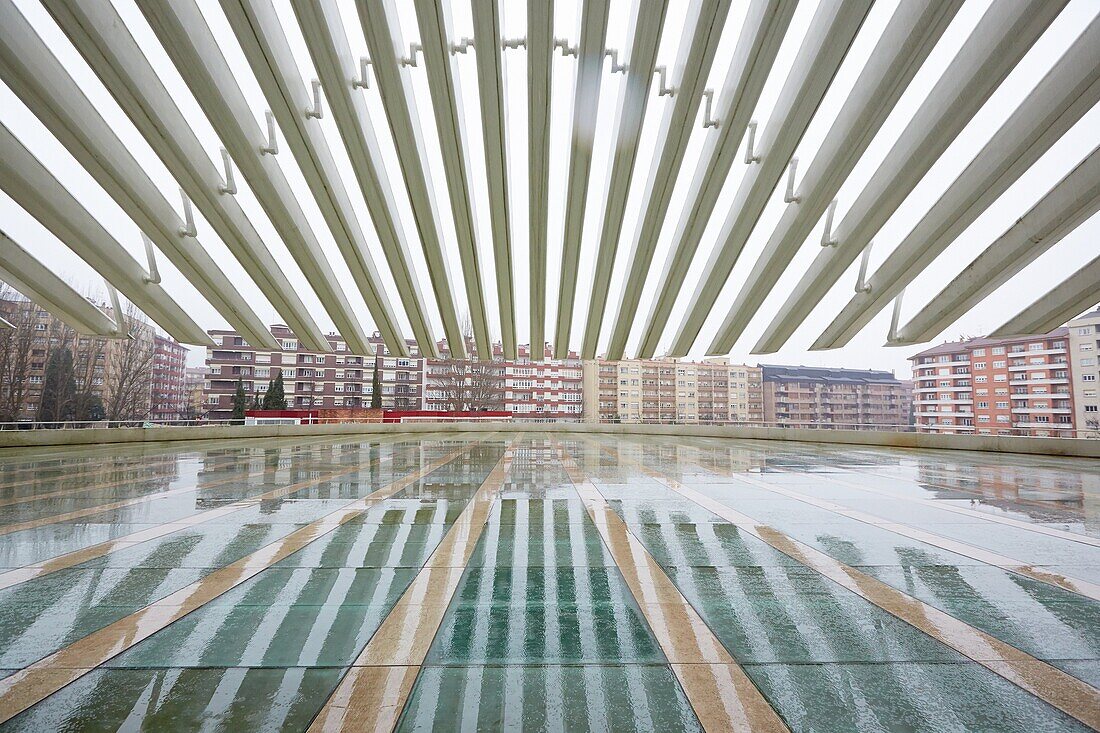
x: 1000, y: 444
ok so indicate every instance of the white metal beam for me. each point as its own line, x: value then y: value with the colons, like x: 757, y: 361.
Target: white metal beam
x: 265, y: 46
x: 1064, y: 95
x: 98, y: 33
x: 586, y: 103
x: 490, y: 85
x: 1002, y: 37
x: 761, y: 36
x: 30, y: 185
x: 379, y: 20
x: 911, y: 34
x: 434, y: 21
x: 540, y: 50
x: 1068, y: 204
x: 1071, y: 298
x: 701, y: 34
x: 830, y: 35
x: 646, y: 25
x: 339, y: 74
x: 182, y: 30
x: 38, y: 78
x: 19, y: 269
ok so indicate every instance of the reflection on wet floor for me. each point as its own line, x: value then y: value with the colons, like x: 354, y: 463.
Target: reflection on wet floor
x: 530, y: 581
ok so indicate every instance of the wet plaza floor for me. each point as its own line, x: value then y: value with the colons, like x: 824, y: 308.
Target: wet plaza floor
x: 537, y: 581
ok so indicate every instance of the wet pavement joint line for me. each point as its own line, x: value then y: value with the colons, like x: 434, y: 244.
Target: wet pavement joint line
x: 38, y: 681
x: 1072, y: 696
x: 721, y: 694
x: 373, y: 693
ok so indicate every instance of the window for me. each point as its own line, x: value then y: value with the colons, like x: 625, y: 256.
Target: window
x: 1035, y: 347
x: 1091, y: 361
x: 999, y: 364
x: 983, y: 405
x: 998, y: 350
x: 979, y: 352
x: 999, y: 378
x: 1002, y: 405
x: 290, y: 345
x: 1088, y: 377
x: 1090, y: 408
x: 979, y: 365
x: 1084, y: 331
x: 981, y: 379
x: 1086, y: 347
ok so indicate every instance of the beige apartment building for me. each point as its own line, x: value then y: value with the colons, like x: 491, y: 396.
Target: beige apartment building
x: 1084, y: 353
x: 671, y: 390
x: 860, y: 399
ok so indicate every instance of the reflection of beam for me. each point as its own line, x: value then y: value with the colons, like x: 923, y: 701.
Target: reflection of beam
x: 1072, y: 201
x: 99, y: 34
x: 832, y: 30
x: 265, y: 46
x: 698, y: 42
x: 586, y: 103
x: 1002, y: 37
x: 1067, y: 92
x: 36, y: 281
x: 757, y: 46
x: 33, y: 73
x: 434, y: 20
x: 540, y: 49
x: 912, y: 33
x: 328, y: 47
x: 1072, y: 297
x: 186, y: 37
x: 30, y: 185
x: 379, y: 20
x: 646, y: 24
x: 490, y: 84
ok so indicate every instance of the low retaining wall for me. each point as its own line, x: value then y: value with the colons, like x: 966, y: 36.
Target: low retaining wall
x: 1000, y: 444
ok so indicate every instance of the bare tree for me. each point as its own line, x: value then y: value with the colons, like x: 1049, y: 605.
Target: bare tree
x: 16, y: 344
x: 130, y: 370
x: 469, y: 386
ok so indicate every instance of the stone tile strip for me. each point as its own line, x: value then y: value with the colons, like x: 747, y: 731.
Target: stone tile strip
x: 374, y: 691
x: 76, y: 557
x: 1074, y: 585
x: 722, y: 695
x: 48, y: 675
x: 1065, y: 692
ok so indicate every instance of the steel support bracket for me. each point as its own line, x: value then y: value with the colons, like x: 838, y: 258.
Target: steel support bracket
x: 616, y: 67
x: 566, y: 49
x: 750, y: 146
x: 462, y: 46
x: 272, y: 147
x: 150, y: 254
x: 790, y: 197
x: 827, y: 238
x: 316, y: 111
x: 410, y: 60
x: 188, y: 229
x: 230, y: 186
x: 708, y: 120
x: 663, y: 89
x: 363, y: 82
x: 862, y: 286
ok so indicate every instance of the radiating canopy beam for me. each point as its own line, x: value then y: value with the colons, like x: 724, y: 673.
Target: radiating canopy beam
x: 490, y: 83
x: 102, y: 38
x: 30, y: 185
x: 187, y: 38
x: 830, y: 35
x: 910, y: 35
x: 1003, y: 36
x: 762, y: 35
x: 32, y: 71
x: 540, y: 49
x: 19, y: 269
x: 1065, y: 207
x: 646, y: 24
x: 1067, y: 300
x: 265, y: 46
x: 1064, y: 95
x: 379, y: 20
x: 698, y: 43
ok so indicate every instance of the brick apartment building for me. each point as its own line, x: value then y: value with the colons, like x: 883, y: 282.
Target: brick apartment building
x: 670, y: 390
x: 310, y: 380
x: 168, y: 399
x: 800, y: 396
x: 1017, y: 386
x: 1084, y: 353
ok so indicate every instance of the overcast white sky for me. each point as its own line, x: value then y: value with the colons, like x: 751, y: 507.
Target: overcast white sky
x: 865, y: 351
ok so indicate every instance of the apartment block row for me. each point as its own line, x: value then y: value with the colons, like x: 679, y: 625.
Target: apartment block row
x: 1042, y: 385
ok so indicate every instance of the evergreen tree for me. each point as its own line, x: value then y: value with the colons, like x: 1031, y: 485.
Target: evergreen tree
x: 58, y: 388
x: 275, y: 397
x: 376, y: 388
x: 256, y: 403
x: 240, y: 402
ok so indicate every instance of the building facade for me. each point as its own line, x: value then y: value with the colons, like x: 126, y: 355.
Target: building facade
x: 168, y: 399
x: 1017, y: 386
x: 670, y: 390
x: 1084, y: 361
x: 858, y: 399
x: 310, y: 380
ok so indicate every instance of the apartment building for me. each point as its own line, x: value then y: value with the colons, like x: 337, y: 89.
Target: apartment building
x: 1084, y: 353
x: 310, y: 380
x: 1017, y: 386
x: 194, y: 382
x: 169, y: 397
x: 800, y: 396
x: 546, y: 389
x: 670, y: 390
